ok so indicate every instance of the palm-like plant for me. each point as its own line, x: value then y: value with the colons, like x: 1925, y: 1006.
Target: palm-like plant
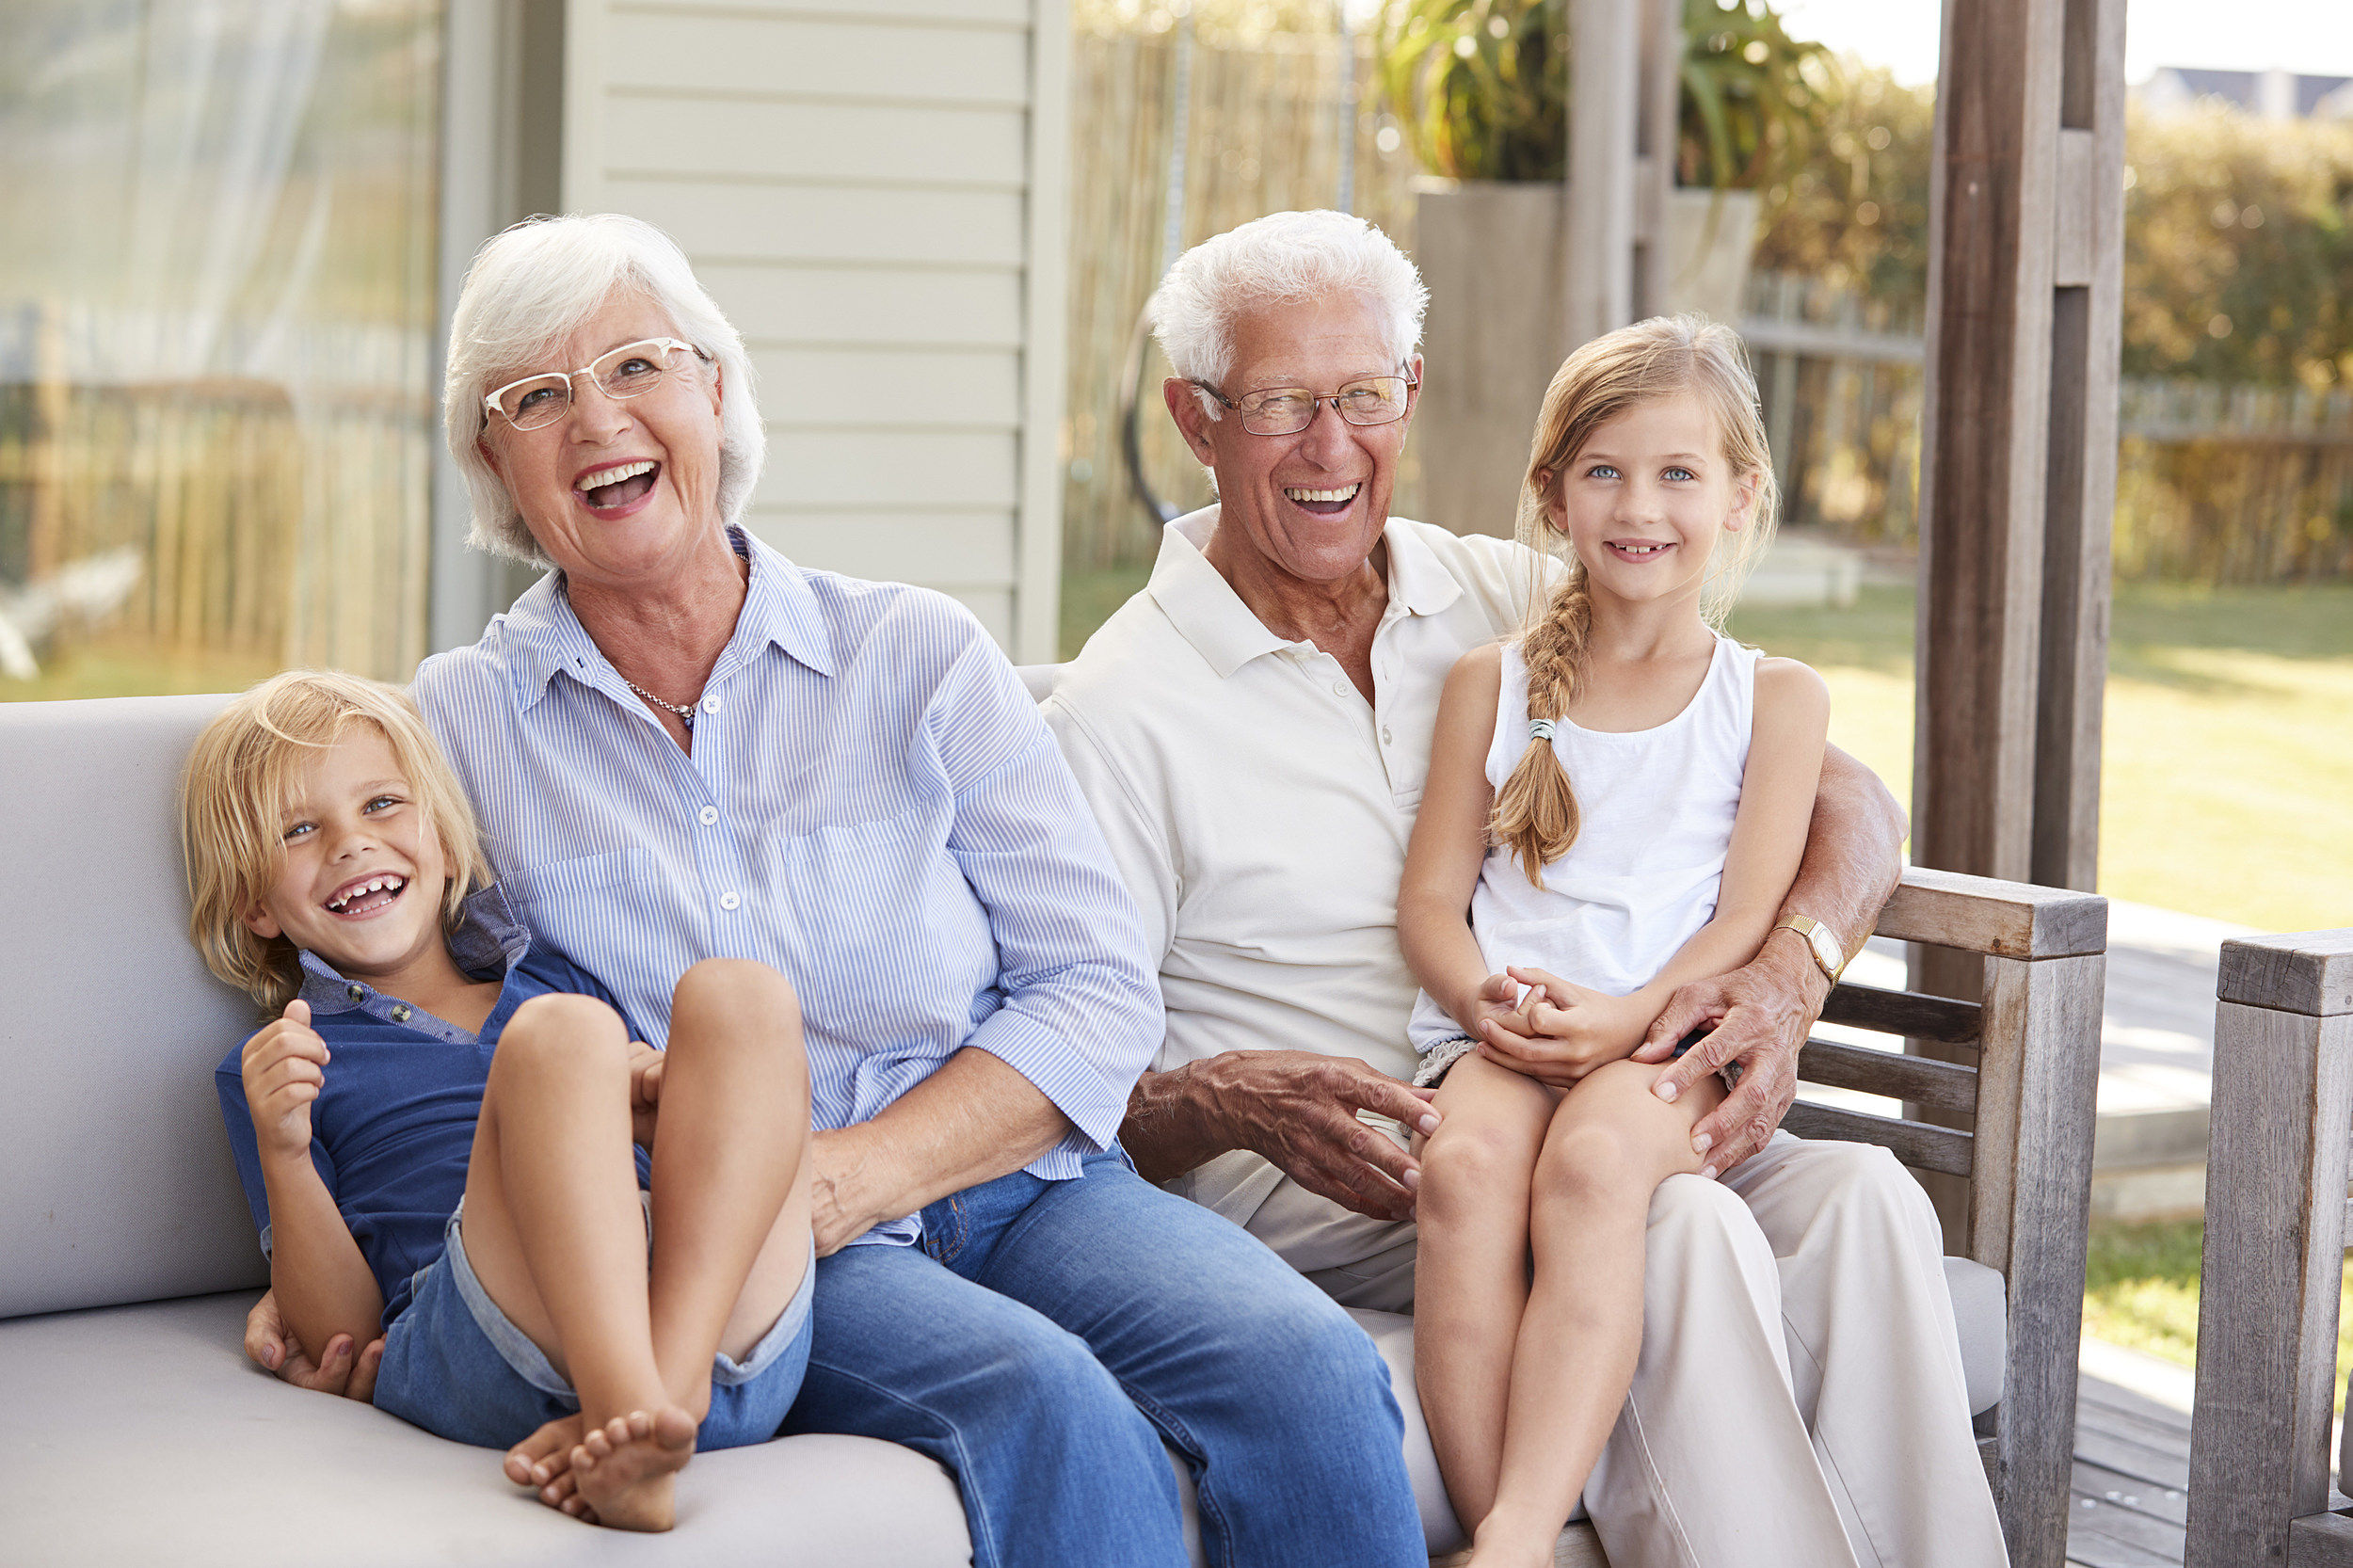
x: 1482, y: 88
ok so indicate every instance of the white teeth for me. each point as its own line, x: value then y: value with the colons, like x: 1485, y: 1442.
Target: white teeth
x: 1297, y: 493
x: 614, y: 475
x: 344, y: 901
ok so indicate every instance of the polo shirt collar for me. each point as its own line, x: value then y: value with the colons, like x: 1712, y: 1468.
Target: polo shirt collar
x: 1206, y: 612
x: 488, y: 940
x: 544, y: 636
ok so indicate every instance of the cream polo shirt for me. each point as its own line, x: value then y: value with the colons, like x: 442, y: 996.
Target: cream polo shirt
x: 1257, y: 807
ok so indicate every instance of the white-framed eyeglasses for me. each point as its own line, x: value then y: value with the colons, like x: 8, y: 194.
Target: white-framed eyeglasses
x: 1287, y: 410
x: 631, y: 370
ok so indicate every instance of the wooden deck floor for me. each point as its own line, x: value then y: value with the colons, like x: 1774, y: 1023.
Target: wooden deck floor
x: 2132, y: 1479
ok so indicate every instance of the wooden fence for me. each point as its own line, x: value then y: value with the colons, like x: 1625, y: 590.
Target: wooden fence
x: 296, y: 533
x: 2215, y: 484
x: 1262, y: 122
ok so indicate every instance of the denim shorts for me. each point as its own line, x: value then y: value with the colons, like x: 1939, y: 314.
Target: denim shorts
x: 454, y: 1366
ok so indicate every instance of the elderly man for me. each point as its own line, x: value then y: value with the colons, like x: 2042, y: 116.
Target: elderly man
x: 1252, y: 731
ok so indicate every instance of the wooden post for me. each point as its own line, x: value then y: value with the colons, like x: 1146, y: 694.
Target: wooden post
x: 1657, y: 135
x: 1605, y: 54
x: 2018, y: 473
x: 2275, y: 1169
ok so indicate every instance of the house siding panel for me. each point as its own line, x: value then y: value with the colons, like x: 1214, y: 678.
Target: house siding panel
x: 871, y: 188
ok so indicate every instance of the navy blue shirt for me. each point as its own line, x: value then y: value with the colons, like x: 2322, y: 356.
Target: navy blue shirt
x: 392, y: 1127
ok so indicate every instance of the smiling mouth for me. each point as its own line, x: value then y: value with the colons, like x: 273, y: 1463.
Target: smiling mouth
x: 367, y: 895
x: 1322, y: 503
x: 1640, y: 550
x: 617, y: 486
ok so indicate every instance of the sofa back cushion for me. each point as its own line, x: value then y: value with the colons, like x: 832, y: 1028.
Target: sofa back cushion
x: 118, y: 1181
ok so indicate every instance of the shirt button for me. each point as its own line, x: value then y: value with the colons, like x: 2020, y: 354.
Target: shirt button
x: 712, y: 704
x: 1385, y: 734
x: 710, y: 815
x: 1339, y: 688
x: 728, y: 901
x: 400, y: 1013
x: 355, y: 992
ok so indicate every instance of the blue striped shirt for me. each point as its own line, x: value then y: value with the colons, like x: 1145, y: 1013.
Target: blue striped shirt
x: 873, y: 807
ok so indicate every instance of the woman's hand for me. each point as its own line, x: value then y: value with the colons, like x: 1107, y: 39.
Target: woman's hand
x: 645, y: 1092
x: 270, y: 1344
x: 1565, y: 1032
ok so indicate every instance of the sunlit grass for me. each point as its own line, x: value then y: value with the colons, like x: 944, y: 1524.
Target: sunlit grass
x: 2140, y: 1291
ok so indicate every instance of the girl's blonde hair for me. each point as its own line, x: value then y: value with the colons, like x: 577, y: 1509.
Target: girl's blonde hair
x: 232, y: 798
x: 1536, y: 812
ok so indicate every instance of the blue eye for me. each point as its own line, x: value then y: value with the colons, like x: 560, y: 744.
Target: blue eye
x: 296, y: 831
x: 1602, y: 471
x: 1679, y: 471
x: 381, y: 801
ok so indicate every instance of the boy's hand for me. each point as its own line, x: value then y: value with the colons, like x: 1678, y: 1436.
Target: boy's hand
x: 269, y: 1343
x: 645, y: 1091
x: 284, y: 1069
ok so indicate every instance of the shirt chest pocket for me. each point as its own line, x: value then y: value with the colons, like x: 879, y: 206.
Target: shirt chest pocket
x: 890, y: 943
x: 576, y: 903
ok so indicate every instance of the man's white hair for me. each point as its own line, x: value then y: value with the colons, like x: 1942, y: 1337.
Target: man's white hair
x: 1280, y: 259
x: 531, y: 287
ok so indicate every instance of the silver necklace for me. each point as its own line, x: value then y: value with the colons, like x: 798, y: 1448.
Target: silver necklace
x: 685, y: 714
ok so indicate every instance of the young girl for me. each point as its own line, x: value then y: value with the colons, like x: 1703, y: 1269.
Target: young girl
x: 1618, y: 799
x: 437, y: 1131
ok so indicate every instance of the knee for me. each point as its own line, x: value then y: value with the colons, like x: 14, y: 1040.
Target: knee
x: 1467, y: 1162
x: 561, y: 1031
x: 1689, y: 1213
x: 737, y: 990
x: 1315, y: 1367
x: 1862, y: 1184
x: 1591, y: 1160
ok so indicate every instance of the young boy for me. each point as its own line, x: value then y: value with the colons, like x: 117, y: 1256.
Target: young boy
x: 439, y: 1129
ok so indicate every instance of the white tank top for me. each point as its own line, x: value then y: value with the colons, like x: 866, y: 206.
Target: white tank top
x: 1656, y: 808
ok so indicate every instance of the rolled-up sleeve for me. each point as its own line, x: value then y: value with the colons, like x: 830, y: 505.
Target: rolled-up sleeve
x: 1081, y: 1017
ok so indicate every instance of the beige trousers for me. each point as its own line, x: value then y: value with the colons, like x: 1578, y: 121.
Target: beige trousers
x: 1799, y: 1400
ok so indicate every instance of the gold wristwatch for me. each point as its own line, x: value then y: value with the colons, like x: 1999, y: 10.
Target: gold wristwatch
x: 1828, y: 955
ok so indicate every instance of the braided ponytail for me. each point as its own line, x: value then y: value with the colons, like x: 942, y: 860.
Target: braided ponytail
x: 1535, y: 812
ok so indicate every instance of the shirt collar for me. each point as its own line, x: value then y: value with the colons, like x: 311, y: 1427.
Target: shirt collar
x: 544, y: 636
x: 1205, y: 609
x: 488, y: 940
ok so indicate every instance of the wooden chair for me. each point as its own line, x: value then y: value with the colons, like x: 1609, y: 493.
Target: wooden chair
x: 2276, y: 1227
x: 2025, y: 1152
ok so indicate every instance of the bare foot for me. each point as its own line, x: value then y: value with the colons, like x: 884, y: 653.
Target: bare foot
x: 626, y: 1469
x: 543, y: 1456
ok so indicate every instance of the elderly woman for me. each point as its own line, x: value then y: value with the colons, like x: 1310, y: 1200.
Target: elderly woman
x: 684, y: 746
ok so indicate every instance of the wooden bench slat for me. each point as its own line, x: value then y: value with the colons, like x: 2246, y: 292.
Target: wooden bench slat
x: 1941, y: 1086
x: 1916, y: 1143
x: 1904, y: 1013
x: 2011, y: 919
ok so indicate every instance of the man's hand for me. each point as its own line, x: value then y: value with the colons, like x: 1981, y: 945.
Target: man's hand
x: 1761, y: 1014
x: 284, y: 1066
x: 270, y: 1344
x: 1296, y: 1109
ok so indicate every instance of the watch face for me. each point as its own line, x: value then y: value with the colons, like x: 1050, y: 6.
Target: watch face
x: 1825, y: 950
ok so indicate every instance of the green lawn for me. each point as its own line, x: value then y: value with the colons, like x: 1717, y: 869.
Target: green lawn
x: 136, y: 670
x: 2227, y: 760
x: 2140, y: 1289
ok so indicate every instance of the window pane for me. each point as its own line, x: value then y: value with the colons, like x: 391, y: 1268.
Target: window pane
x: 217, y: 231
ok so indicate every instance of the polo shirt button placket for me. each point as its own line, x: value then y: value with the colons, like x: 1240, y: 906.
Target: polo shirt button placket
x: 357, y: 993
x: 400, y: 1013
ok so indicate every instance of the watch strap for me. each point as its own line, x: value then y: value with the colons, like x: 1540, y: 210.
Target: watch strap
x: 1816, y: 935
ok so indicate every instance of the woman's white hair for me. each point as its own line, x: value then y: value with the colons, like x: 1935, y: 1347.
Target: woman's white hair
x: 1279, y: 259
x: 529, y: 289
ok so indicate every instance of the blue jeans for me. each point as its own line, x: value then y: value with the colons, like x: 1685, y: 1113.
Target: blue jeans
x: 1048, y: 1336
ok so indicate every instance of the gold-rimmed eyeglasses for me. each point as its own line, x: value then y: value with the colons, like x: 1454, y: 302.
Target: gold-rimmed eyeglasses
x: 1287, y: 410
x: 631, y: 370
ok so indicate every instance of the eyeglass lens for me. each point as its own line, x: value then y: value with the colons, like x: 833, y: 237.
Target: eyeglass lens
x: 629, y: 371
x: 1282, y: 410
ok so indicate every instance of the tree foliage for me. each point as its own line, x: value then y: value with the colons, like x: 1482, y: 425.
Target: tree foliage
x: 1855, y: 214
x: 1482, y: 88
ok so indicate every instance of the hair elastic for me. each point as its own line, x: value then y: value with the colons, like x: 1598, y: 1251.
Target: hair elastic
x: 1540, y: 730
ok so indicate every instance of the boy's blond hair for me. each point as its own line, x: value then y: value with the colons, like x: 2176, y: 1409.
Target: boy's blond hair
x: 234, y: 794
x: 1536, y: 812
